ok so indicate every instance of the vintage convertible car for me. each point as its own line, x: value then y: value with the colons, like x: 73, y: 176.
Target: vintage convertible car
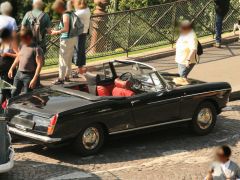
x: 119, y: 97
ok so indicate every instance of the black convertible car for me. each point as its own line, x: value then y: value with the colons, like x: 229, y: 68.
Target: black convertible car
x: 119, y: 97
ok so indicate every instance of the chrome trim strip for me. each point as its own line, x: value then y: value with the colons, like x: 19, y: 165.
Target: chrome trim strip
x: 207, y: 92
x: 164, y: 100
x: 41, y: 138
x: 150, y: 126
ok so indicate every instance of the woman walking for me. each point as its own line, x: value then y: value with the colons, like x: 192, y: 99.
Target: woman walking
x: 186, y: 52
x: 67, y: 43
x: 8, y: 52
x: 84, y: 13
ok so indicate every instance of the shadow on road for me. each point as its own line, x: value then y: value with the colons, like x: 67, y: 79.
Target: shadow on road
x: 31, y: 170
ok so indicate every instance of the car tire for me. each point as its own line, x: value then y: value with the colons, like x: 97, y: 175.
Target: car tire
x: 204, y: 119
x: 90, y: 140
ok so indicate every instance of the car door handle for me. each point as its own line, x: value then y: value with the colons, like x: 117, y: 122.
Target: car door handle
x: 135, y: 101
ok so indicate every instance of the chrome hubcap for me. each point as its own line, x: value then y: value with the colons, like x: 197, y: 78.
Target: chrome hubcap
x: 205, y: 118
x: 90, y: 138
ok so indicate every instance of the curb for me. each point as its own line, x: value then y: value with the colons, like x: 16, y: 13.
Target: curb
x: 151, y: 57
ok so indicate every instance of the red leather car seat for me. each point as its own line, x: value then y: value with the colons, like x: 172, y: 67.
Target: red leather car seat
x: 105, y: 90
x: 122, y: 88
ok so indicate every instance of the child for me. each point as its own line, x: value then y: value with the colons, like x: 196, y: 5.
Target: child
x: 29, y: 61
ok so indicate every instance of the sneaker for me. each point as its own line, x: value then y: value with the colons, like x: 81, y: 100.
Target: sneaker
x: 58, y: 82
x: 217, y: 45
x: 67, y: 79
x: 75, y: 74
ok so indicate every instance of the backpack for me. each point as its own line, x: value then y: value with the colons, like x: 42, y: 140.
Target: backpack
x: 199, y: 49
x: 199, y: 52
x: 35, y: 23
x: 76, y: 25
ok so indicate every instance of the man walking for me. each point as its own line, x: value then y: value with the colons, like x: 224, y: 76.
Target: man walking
x: 221, y: 8
x: 39, y: 22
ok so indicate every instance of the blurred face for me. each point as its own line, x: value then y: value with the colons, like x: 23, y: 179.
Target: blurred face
x: 220, y: 157
x: 26, y: 39
x: 7, y: 40
x: 59, y: 9
x: 185, y: 29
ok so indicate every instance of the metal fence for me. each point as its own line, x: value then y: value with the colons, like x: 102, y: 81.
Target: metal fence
x: 133, y: 30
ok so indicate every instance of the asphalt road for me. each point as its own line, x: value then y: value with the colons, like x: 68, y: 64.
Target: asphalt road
x: 173, y: 153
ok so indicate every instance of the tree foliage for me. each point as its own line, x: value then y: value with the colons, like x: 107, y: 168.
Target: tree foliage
x: 22, y: 6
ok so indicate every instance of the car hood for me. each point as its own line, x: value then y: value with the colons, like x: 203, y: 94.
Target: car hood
x: 46, y: 102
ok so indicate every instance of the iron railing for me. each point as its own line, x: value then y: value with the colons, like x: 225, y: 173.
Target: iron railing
x: 133, y: 30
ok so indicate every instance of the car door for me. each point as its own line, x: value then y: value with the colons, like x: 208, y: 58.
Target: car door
x: 156, y: 107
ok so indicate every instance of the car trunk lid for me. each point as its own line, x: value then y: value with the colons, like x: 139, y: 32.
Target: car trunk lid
x: 34, y: 111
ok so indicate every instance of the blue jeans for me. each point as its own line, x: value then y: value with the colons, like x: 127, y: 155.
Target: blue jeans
x: 184, y: 70
x: 219, y: 24
x: 21, y: 82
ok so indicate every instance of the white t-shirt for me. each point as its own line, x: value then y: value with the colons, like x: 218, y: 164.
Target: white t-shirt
x: 185, y: 44
x: 8, y: 22
x: 84, y: 15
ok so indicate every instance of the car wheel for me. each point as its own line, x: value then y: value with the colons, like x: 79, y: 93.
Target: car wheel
x: 204, y: 119
x: 90, y: 140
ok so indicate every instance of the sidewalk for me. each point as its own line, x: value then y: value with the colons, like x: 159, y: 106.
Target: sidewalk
x: 216, y: 65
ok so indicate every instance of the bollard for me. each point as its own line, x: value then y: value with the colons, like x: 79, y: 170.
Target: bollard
x: 3, y: 141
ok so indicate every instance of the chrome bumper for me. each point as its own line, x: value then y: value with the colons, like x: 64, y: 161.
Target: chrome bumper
x: 9, y: 165
x: 44, y: 139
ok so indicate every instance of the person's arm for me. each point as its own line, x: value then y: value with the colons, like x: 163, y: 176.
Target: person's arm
x: 12, y: 55
x: 66, y: 22
x: 48, y: 24
x: 193, y: 43
x: 39, y: 62
x: 24, y: 21
x: 13, y: 67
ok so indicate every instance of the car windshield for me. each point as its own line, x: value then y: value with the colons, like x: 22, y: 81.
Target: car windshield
x: 148, y: 76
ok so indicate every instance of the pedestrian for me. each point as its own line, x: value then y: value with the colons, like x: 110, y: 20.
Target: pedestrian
x: 186, y: 52
x: 6, y: 21
x: 39, y: 22
x: 29, y: 62
x: 224, y: 168
x: 8, y: 52
x: 221, y: 8
x: 84, y: 13
x: 67, y: 43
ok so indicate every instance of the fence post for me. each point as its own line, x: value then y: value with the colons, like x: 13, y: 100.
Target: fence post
x: 174, y: 23
x: 129, y: 32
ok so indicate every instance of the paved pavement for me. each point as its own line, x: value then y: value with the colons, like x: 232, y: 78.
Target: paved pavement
x: 173, y: 153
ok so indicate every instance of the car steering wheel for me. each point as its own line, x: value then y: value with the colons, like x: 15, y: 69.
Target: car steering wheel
x: 136, y: 84
x: 126, y: 77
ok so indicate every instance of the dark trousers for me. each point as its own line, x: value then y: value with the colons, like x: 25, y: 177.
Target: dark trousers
x: 79, y: 58
x: 21, y: 82
x: 5, y: 93
x: 219, y: 24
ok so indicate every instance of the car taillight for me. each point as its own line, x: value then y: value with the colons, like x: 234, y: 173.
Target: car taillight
x: 5, y: 104
x: 52, y: 124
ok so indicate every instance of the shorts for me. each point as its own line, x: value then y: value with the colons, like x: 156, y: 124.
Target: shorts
x: 184, y: 70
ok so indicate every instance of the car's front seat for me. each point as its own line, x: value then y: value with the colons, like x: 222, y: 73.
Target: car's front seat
x: 122, y: 88
x: 92, y: 80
